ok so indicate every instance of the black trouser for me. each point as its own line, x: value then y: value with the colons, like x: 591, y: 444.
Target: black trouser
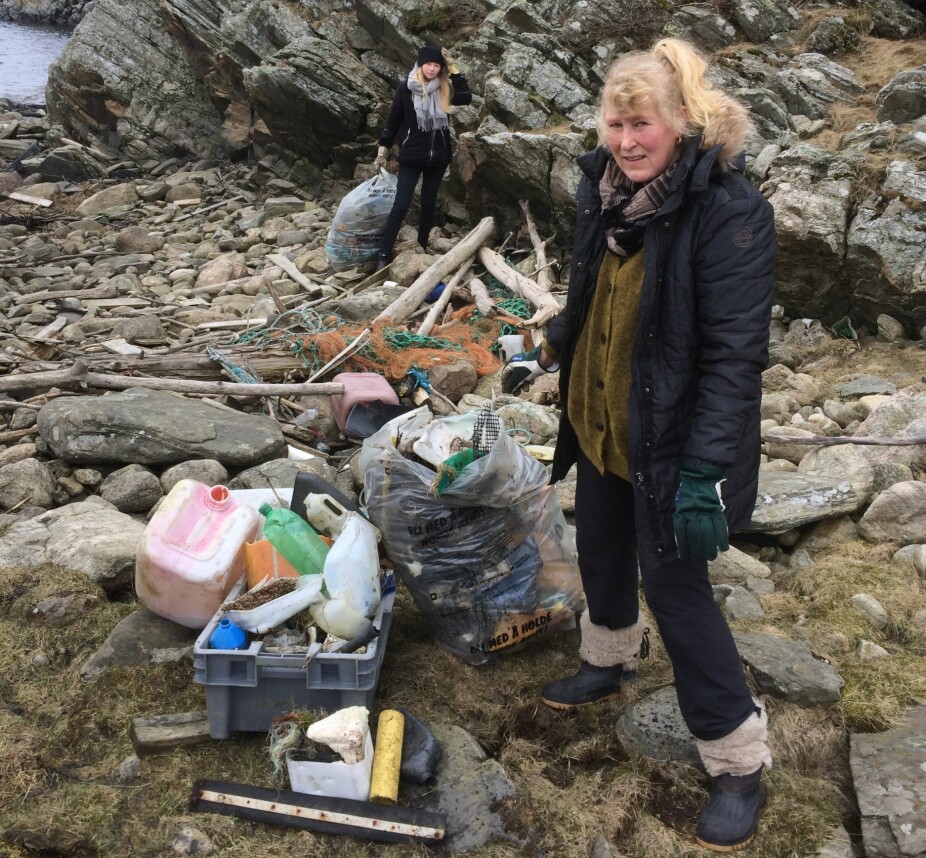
x: 408, y: 179
x: 712, y: 692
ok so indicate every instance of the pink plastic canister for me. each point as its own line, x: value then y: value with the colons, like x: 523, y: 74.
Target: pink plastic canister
x: 359, y: 387
x: 192, y: 552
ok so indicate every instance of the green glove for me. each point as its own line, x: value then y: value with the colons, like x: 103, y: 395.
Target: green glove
x: 700, y: 527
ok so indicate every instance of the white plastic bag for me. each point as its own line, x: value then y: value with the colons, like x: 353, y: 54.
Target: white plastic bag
x: 357, y: 229
x: 489, y: 563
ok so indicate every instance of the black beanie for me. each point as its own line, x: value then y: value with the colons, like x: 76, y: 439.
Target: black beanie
x: 430, y: 54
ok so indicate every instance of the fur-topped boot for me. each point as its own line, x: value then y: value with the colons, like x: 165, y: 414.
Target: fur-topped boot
x: 735, y: 764
x: 609, y: 659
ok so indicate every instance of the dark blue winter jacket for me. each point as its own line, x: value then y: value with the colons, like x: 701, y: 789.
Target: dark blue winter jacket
x: 702, y: 335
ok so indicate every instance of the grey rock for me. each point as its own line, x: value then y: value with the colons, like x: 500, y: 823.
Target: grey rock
x: 811, y: 84
x: 870, y: 651
x: 539, y: 422
x: 58, y: 611
x: 787, y: 501
x: 890, y: 329
x: 147, y: 327
x: 761, y: 19
x: 366, y: 305
x: 736, y: 567
x: 206, y: 471
x: 280, y: 473
x: 903, y: 98
x: 276, y: 206
x: 737, y: 603
x: 787, y: 669
x: 156, y: 428
x: 810, y: 189
x: 898, y: 514
x: 26, y: 481
x: 872, y: 610
x: 833, y: 36
x: 885, y: 259
x: 866, y: 385
x: 702, y: 26
x: 471, y: 789
x: 887, y: 772
x: 191, y: 841
x: 780, y: 446
x: 91, y: 537
x: 844, y: 463
x: 655, y: 728
x: 129, y: 770
x: 453, y: 379
x: 142, y: 638
x: 108, y: 198
x: 133, y: 488
x: 136, y: 239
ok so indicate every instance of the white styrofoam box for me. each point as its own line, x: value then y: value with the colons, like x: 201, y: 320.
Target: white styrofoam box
x: 337, y: 779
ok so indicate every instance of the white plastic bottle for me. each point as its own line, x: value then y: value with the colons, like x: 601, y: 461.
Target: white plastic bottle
x: 192, y: 552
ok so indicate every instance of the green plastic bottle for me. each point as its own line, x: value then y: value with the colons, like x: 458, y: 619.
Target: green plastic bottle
x: 295, y: 539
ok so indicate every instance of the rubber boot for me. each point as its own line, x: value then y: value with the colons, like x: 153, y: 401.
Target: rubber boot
x: 609, y: 659
x: 728, y: 823
x: 383, y: 260
x: 589, y: 685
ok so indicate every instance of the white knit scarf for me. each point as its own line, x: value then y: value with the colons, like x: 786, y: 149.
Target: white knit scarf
x: 428, y: 109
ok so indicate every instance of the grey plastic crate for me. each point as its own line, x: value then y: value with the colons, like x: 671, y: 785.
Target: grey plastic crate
x: 246, y: 689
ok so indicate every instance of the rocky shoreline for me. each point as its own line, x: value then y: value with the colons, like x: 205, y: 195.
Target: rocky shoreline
x: 149, y: 249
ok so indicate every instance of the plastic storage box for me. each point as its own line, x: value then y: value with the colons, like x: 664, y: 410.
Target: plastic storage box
x: 246, y: 689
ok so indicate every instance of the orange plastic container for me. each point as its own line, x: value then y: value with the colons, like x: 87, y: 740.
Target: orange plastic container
x: 192, y: 552
x: 262, y: 560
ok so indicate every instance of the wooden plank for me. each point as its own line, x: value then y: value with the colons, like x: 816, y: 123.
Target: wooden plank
x: 56, y: 294
x: 386, y: 823
x: 292, y: 271
x: 51, y: 328
x: 156, y: 733
x: 101, y: 303
x: 121, y: 346
x: 26, y: 198
x: 231, y: 323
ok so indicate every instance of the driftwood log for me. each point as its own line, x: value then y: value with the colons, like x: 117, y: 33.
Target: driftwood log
x: 79, y: 375
x: 414, y: 295
x: 441, y: 303
x: 545, y: 304
x: 540, y: 248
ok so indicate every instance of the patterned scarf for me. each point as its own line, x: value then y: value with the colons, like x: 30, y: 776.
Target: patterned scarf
x: 428, y: 109
x: 629, y: 206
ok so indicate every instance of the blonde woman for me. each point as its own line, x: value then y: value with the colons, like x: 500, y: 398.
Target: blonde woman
x: 662, y: 344
x: 420, y: 121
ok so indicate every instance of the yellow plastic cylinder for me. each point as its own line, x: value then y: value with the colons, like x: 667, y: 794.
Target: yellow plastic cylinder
x: 387, y: 757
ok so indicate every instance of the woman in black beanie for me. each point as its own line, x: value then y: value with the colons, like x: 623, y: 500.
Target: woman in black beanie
x: 419, y: 120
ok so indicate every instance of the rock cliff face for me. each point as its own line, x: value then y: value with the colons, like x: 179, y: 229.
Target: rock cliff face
x: 62, y: 13
x: 839, y: 142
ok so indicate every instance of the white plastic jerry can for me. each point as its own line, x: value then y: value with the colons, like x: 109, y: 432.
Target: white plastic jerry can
x: 192, y: 552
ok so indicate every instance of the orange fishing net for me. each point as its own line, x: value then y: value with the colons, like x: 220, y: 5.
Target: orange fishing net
x: 394, y: 351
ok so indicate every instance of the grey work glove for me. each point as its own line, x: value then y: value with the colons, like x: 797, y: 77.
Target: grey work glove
x: 523, y: 368
x: 380, y: 160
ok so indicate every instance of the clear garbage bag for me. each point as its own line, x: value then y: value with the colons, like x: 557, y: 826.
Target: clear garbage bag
x: 490, y: 563
x: 357, y: 229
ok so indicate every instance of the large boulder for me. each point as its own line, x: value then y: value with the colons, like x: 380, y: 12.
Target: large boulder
x: 885, y: 262
x: 810, y: 190
x: 91, y: 537
x: 151, y: 427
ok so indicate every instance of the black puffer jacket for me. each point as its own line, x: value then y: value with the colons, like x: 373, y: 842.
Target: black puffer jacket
x: 702, y: 335
x: 419, y: 147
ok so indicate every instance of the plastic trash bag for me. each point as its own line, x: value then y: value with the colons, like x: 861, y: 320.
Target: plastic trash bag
x: 357, y: 229
x: 490, y: 563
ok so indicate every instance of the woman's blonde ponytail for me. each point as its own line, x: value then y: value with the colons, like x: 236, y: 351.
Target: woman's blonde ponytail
x: 701, y: 100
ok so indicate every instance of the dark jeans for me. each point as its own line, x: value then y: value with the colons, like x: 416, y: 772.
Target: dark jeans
x: 712, y: 692
x: 408, y: 179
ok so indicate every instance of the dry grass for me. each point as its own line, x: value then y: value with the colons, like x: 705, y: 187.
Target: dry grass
x: 62, y: 739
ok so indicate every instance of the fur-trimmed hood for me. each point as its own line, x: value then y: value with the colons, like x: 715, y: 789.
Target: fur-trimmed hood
x: 728, y: 129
